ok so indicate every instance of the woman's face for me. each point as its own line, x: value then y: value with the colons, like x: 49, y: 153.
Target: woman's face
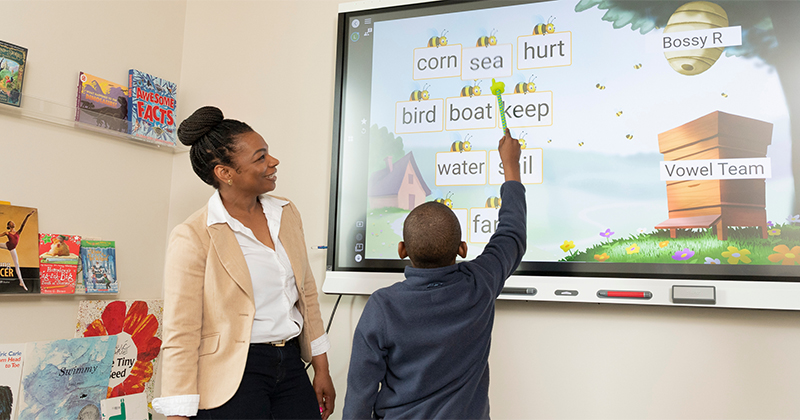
x: 256, y: 169
x: 10, y: 225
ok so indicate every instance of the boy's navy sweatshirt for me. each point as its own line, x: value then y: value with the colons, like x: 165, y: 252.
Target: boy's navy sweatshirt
x: 426, y: 339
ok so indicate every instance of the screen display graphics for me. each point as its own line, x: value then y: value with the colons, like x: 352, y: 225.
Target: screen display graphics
x: 656, y: 135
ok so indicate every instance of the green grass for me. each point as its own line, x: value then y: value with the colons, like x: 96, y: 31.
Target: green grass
x: 381, y: 238
x: 702, y: 241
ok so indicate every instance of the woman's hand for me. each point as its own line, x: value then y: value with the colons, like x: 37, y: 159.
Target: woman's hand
x: 323, y: 385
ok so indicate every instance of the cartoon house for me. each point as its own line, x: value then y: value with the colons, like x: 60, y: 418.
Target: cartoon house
x: 400, y: 184
x: 716, y: 203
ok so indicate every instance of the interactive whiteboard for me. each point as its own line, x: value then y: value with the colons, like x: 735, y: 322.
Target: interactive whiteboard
x: 658, y: 151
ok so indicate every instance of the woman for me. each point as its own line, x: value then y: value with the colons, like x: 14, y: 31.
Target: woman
x: 240, y: 300
x: 13, y: 241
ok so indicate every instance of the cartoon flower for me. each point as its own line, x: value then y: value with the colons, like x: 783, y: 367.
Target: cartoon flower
x: 662, y: 244
x: 683, y: 255
x: 785, y: 255
x: 567, y: 245
x: 735, y: 255
x: 141, y: 327
x: 793, y: 219
x: 774, y: 232
x: 710, y: 260
x: 602, y: 257
x: 633, y: 249
x: 607, y: 233
x: 640, y: 230
x: 770, y: 224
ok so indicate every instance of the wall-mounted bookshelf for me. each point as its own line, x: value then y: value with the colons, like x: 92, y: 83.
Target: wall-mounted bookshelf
x: 46, y: 111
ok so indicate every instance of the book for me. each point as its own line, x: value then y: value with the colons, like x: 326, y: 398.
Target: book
x: 99, y: 266
x: 12, y: 73
x: 66, y: 379
x: 19, y: 253
x: 129, y: 407
x: 137, y: 324
x: 10, y: 375
x: 152, y: 108
x: 58, y: 263
x: 102, y: 103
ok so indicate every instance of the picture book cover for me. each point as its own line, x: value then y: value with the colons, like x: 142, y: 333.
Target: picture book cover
x: 99, y: 266
x: 10, y: 375
x: 102, y: 103
x: 58, y: 262
x: 152, y: 110
x: 66, y: 379
x: 12, y: 72
x: 19, y: 250
x: 129, y: 407
x: 137, y: 326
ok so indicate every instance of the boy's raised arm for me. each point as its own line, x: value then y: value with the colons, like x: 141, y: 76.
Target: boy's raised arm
x: 503, y: 253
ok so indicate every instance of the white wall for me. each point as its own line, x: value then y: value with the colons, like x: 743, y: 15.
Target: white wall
x: 271, y: 64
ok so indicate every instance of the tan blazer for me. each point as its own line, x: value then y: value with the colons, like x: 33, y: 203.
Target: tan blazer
x: 209, y: 307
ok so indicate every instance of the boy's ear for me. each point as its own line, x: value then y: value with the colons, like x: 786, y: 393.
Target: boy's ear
x: 462, y: 249
x: 401, y: 250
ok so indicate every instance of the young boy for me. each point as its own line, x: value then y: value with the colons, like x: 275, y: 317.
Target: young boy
x: 421, y: 347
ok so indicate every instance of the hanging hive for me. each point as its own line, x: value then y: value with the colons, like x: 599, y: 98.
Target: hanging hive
x: 691, y: 17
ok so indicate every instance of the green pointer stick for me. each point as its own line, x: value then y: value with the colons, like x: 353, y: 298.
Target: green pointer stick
x: 497, y: 89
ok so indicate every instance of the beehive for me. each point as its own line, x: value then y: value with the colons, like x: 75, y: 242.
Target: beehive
x: 719, y: 203
x: 690, y: 17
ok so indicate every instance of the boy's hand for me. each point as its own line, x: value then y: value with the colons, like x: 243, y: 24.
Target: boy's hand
x: 509, y: 150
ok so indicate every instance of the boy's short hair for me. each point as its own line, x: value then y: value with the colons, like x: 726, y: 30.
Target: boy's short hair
x: 432, y: 235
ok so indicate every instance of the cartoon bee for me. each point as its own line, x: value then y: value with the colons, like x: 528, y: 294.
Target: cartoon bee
x: 461, y: 146
x: 446, y: 200
x: 545, y: 28
x: 522, y: 139
x: 420, y: 95
x: 523, y: 87
x: 549, y: 140
x: 724, y: 95
x: 438, y: 41
x: 599, y: 86
x: 486, y: 41
x: 629, y: 136
x: 619, y: 113
x: 581, y: 144
x: 637, y: 66
x: 493, y: 202
x: 473, y: 90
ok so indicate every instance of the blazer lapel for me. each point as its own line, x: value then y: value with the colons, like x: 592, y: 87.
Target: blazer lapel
x: 224, y: 242
x: 293, y: 245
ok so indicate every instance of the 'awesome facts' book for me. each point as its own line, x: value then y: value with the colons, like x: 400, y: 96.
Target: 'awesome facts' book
x: 12, y: 72
x: 66, y: 379
x: 58, y: 263
x: 152, y: 110
x: 101, y: 103
x: 99, y: 260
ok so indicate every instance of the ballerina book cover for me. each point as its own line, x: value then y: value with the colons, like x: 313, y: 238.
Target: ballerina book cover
x: 19, y: 250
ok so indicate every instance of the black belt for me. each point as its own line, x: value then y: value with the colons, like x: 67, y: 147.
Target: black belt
x: 281, y: 343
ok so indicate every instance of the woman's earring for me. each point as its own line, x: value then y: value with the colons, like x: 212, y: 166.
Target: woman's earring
x: 230, y: 182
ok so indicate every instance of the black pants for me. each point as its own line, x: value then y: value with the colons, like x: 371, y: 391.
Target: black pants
x: 275, y: 386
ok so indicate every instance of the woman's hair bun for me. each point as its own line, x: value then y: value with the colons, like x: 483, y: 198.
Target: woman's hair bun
x: 200, y: 123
